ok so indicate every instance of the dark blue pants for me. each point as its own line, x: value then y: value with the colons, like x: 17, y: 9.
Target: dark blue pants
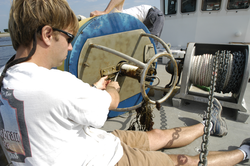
x: 154, y: 22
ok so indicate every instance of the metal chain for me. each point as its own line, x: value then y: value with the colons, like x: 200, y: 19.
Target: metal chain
x: 205, y: 141
x: 144, y: 118
x: 229, y: 62
x: 222, y: 71
x: 240, y: 71
x: 237, y: 72
x: 230, y: 70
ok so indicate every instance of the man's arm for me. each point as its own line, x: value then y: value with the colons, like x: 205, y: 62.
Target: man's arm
x: 113, y: 89
x: 118, y: 4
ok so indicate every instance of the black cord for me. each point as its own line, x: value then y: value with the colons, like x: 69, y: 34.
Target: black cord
x: 13, y: 62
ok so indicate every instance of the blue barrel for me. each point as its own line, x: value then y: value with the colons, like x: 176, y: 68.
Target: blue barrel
x: 100, y: 26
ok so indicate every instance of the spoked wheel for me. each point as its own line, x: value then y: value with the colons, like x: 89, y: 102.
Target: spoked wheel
x: 143, y: 84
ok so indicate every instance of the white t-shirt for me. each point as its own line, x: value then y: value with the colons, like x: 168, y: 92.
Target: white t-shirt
x: 140, y: 12
x: 50, y: 117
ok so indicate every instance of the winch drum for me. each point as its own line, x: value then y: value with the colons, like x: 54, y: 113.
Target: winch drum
x: 234, y: 100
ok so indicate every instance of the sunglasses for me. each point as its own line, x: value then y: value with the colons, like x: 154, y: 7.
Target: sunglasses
x: 71, y: 37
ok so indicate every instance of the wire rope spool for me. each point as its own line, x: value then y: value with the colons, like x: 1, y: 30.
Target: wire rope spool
x: 103, y: 43
x: 232, y: 75
x: 231, y: 69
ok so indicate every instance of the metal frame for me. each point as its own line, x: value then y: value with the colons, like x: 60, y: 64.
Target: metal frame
x: 235, y: 101
x: 146, y: 66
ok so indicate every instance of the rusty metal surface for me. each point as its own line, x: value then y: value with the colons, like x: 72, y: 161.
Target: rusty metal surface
x: 93, y: 61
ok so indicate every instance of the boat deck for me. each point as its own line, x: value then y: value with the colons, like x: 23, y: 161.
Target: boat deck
x: 188, y: 114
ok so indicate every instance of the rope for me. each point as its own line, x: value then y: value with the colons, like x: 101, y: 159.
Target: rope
x: 201, y: 70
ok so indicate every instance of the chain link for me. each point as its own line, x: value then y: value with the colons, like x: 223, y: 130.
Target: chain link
x: 230, y: 70
x: 226, y: 71
x: 205, y: 140
x: 237, y: 72
x: 222, y: 71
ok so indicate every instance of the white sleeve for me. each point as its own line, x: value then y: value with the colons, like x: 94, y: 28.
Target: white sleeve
x: 82, y: 103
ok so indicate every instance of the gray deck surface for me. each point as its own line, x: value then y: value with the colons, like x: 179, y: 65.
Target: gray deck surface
x: 189, y: 114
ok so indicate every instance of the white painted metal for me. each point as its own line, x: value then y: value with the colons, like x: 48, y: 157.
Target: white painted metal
x: 222, y: 26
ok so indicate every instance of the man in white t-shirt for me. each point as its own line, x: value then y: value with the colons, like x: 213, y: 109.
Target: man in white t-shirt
x: 150, y: 16
x: 51, y: 118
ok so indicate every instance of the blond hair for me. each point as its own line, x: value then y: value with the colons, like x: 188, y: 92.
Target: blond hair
x: 26, y: 16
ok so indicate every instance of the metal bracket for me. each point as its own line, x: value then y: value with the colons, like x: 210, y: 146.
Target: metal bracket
x: 109, y: 71
x: 148, y: 52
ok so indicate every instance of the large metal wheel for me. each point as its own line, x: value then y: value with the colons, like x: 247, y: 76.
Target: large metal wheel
x: 144, y: 74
